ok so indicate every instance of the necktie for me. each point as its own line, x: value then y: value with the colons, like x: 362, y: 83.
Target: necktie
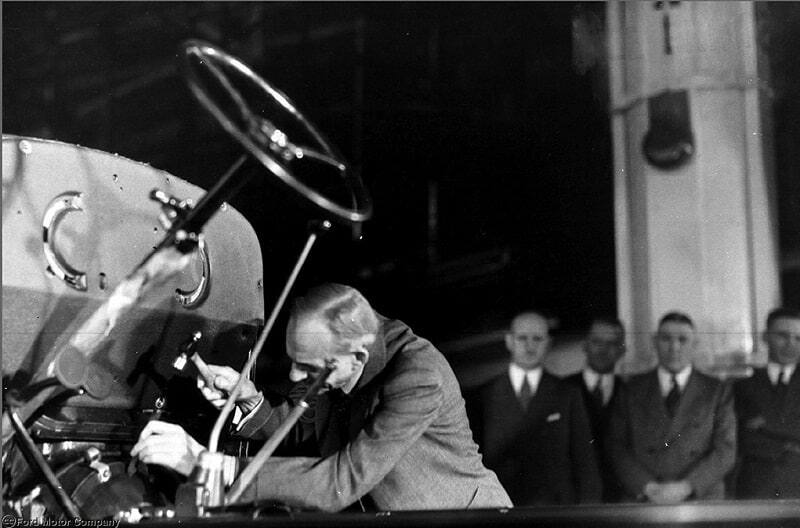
x: 597, y: 392
x: 781, y: 386
x: 525, y: 394
x: 673, y: 397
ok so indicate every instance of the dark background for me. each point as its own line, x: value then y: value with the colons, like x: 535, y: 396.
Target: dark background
x: 479, y: 101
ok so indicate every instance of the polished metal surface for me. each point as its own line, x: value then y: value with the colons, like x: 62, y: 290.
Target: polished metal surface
x: 56, y: 265
x: 195, y: 297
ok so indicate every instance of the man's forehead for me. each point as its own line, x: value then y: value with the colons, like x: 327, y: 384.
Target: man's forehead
x: 311, y: 337
x: 785, y: 323
x: 675, y: 328
x: 605, y: 329
x: 529, y: 324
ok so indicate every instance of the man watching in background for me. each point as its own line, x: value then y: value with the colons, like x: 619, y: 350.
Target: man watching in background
x: 672, y: 435
x: 768, y: 409
x: 603, y: 346
x: 532, y: 427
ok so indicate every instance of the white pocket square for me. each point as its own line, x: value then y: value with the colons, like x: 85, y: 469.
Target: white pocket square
x: 553, y: 417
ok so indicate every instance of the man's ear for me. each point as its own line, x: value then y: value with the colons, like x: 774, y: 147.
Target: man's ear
x: 362, y: 352
x: 509, y: 342
x: 620, y: 352
x: 362, y: 356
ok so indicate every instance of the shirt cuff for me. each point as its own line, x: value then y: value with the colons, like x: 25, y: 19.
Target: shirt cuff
x: 240, y: 419
x: 229, y: 467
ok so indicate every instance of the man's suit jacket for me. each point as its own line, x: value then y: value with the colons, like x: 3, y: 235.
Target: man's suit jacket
x: 698, y: 444
x: 770, y: 454
x: 599, y: 418
x: 543, y: 455
x: 401, y: 437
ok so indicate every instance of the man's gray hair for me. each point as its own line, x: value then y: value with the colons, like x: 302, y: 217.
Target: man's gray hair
x: 346, y: 313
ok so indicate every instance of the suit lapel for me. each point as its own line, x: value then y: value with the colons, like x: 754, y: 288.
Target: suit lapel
x: 614, y: 392
x: 502, y: 416
x: 792, y: 393
x: 504, y: 392
x: 693, y: 394
x: 322, y: 423
x: 654, y: 408
x: 540, y: 403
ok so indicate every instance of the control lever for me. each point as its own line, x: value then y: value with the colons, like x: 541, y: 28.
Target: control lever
x: 189, y: 353
x: 171, y: 207
x: 158, y: 410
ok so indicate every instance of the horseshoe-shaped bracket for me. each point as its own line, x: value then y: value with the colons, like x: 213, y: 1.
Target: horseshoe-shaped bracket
x: 194, y: 298
x: 56, y: 265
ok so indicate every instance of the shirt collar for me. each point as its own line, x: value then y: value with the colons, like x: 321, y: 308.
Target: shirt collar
x: 517, y: 373
x: 665, y: 379
x: 774, y: 371
x: 590, y: 378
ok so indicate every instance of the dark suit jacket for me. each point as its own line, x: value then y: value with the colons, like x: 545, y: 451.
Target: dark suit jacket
x: 599, y: 418
x: 697, y: 444
x: 770, y: 465
x: 401, y: 437
x: 543, y: 455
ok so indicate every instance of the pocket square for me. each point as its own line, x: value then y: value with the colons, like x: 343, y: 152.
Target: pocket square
x: 553, y: 417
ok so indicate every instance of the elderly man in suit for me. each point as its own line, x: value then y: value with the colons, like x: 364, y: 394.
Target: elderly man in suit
x: 392, y: 427
x: 532, y: 427
x: 768, y: 409
x: 603, y: 347
x: 672, y: 434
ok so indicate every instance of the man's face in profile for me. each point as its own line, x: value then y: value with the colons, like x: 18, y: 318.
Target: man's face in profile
x: 675, y: 344
x: 310, y: 346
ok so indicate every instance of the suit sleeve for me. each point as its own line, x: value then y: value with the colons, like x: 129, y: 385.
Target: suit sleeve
x: 754, y: 442
x: 264, y: 420
x: 472, y: 402
x: 583, y: 453
x: 721, y: 456
x: 410, y: 401
x: 619, y: 447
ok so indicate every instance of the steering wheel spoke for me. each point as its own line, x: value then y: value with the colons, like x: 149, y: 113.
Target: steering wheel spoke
x: 268, y: 139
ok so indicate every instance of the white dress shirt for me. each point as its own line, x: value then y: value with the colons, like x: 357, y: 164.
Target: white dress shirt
x: 665, y: 379
x: 590, y: 378
x: 774, y: 371
x: 517, y: 374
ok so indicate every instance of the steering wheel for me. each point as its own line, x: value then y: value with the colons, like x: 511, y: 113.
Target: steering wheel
x: 229, y: 90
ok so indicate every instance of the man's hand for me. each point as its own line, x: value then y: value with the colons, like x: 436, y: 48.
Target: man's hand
x: 652, y: 490
x: 225, y: 378
x: 755, y: 423
x: 671, y: 492
x: 167, y: 445
x: 676, y: 491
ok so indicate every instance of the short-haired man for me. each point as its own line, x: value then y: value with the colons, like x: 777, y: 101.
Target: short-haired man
x: 603, y: 346
x: 532, y: 427
x: 393, y: 427
x: 672, y: 435
x: 768, y: 409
